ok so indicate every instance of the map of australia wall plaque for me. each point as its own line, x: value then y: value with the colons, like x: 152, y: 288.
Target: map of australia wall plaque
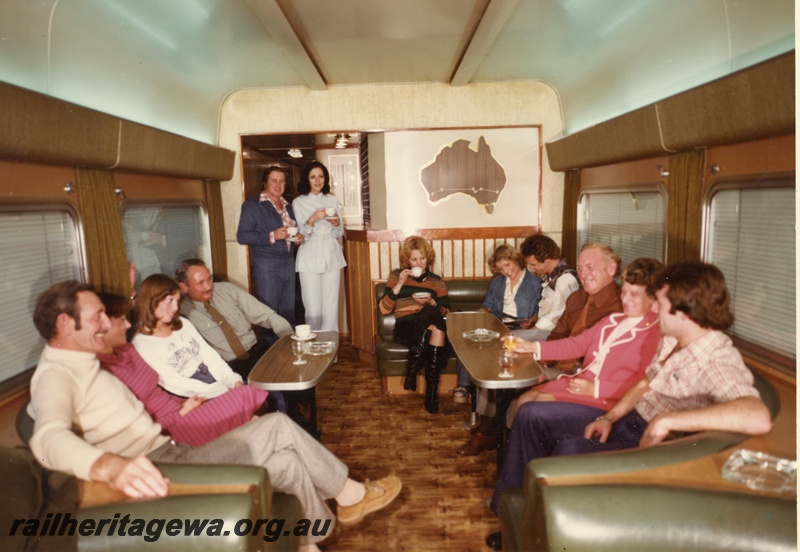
x: 463, y: 178
x: 460, y: 170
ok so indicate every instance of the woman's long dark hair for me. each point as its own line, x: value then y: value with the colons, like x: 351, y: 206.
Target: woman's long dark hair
x: 304, y: 187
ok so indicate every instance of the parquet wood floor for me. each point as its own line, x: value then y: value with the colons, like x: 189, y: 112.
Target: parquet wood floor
x: 442, y: 506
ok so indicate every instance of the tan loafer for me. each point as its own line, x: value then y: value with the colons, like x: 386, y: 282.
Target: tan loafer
x: 379, y: 494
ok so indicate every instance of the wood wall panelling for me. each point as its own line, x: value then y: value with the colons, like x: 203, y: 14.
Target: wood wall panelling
x: 143, y: 150
x: 569, y: 225
x: 216, y: 228
x: 642, y: 171
x: 24, y: 181
x: 36, y: 128
x: 148, y: 187
x: 633, y: 135
x: 684, y: 218
x: 761, y: 157
x: 361, y: 298
x: 757, y: 102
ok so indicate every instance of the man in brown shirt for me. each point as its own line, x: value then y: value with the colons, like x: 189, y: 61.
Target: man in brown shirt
x: 598, y: 297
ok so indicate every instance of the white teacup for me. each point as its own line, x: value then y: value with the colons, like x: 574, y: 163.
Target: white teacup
x: 292, y: 230
x: 330, y: 211
x: 302, y: 330
x: 416, y: 271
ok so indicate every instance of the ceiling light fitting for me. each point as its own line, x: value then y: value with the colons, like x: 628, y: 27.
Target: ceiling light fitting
x: 294, y: 152
x: 341, y: 141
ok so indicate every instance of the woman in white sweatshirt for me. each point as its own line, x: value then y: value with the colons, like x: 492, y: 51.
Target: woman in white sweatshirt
x: 187, y: 366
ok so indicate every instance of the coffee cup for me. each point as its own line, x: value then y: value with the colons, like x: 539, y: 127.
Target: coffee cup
x: 292, y: 230
x: 303, y: 330
x: 416, y: 271
x: 330, y: 211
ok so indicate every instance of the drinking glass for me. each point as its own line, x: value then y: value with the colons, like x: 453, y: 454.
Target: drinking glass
x: 298, y: 348
x: 510, y: 342
x: 506, y: 360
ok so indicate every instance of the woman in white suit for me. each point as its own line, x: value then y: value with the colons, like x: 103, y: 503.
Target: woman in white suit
x: 319, y: 258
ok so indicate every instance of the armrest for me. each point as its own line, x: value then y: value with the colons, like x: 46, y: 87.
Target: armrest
x: 192, y: 479
x: 512, y: 522
x: 229, y: 508
x: 672, y: 452
x: 611, y: 518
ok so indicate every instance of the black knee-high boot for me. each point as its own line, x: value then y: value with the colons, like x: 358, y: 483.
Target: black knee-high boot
x: 438, y: 359
x: 415, y: 362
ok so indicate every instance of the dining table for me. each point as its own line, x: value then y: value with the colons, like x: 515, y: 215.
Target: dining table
x: 476, y: 338
x: 276, y: 371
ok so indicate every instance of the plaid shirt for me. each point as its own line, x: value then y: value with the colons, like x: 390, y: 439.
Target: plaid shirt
x: 708, y: 371
x: 282, y: 211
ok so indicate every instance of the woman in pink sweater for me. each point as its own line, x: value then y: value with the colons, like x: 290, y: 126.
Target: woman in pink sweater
x: 615, y: 351
x: 194, y: 421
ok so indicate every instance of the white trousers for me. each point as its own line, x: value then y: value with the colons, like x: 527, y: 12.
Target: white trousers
x: 321, y: 299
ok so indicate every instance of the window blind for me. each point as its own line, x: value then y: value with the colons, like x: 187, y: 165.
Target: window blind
x: 37, y: 249
x: 632, y: 223
x: 752, y: 240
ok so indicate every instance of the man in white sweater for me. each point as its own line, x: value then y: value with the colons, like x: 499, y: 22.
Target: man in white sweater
x: 117, y: 441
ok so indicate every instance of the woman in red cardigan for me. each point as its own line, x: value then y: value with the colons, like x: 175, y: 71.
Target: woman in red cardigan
x: 615, y: 351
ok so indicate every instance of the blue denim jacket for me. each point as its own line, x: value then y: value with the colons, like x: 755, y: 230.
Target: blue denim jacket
x: 527, y: 298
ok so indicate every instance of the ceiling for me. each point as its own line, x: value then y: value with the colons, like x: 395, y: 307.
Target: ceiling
x: 277, y: 146
x: 171, y: 64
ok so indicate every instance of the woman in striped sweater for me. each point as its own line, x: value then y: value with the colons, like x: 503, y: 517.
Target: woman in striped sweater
x: 194, y: 421
x: 419, y: 303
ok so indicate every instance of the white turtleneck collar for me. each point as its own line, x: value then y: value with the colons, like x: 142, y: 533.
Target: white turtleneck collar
x: 79, y: 361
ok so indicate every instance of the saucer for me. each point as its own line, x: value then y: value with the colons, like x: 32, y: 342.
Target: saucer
x: 331, y: 218
x: 296, y: 337
x: 293, y: 239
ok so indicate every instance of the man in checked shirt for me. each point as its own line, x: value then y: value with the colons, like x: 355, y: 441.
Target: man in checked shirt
x: 696, y: 382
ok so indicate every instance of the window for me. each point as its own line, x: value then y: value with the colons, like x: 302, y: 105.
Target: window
x: 751, y: 238
x: 38, y: 247
x: 631, y: 222
x: 157, y: 237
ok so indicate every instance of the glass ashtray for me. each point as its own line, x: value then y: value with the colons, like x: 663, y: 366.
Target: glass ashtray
x: 318, y: 348
x: 480, y: 335
x: 761, y: 471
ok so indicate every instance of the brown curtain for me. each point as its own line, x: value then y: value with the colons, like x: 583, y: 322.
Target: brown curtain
x: 216, y: 223
x: 569, y: 222
x: 685, y: 205
x: 105, y: 247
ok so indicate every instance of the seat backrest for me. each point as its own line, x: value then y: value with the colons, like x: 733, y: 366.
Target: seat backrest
x: 464, y: 294
x: 768, y: 393
x: 385, y: 326
x: 652, y: 517
x: 24, y: 423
